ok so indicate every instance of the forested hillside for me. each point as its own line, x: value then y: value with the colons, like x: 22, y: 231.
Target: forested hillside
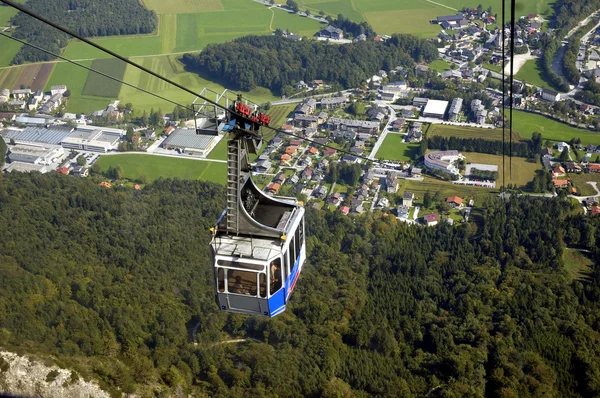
x: 112, y: 281
x: 84, y: 17
x: 276, y: 63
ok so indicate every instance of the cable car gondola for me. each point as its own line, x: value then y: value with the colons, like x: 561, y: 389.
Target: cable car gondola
x: 258, y: 242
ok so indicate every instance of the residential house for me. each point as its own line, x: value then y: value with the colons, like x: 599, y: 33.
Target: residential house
x: 421, y: 69
x: 263, y: 167
x: 407, y: 199
x: 357, y: 205
x: 335, y: 199
x: 431, y: 219
x: 331, y: 32
x: 455, y: 202
x: 383, y: 203
x: 345, y: 210
x: 313, y: 151
x: 593, y: 168
x: 307, y: 173
x: 285, y: 158
x: 573, y: 167
x: 22, y: 94
x: 301, y: 85
x: 561, y: 183
x: 402, y: 212
x: 349, y: 159
x: 391, y: 183
x: 320, y: 192
x: 80, y: 171
x: 315, y: 84
x: 63, y: 170
x: 550, y: 95
x: 307, y: 107
x: 58, y: 90
x: 558, y: 171
x: 361, y: 126
x: 291, y: 150
x: 398, y: 124
x: 273, y: 188
x: 329, y: 152
x: 595, y: 211
x: 415, y: 133
x: 415, y: 172
x: 562, y: 145
x: 302, y: 120
x: 293, y: 179
x: 279, y: 178
x: 333, y: 102
x: 547, y: 153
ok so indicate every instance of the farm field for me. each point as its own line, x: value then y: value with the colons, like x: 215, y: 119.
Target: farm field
x: 102, y: 86
x: 75, y: 77
x: 580, y: 182
x: 6, y: 13
x: 531, y: 72
x: 125, y: 46
x: 9, y: 76
x: 522, y: 171
x: 9, y: 47
x: 526, y: 123
x: 445, y: 130
x: 393, y: 148
x: 169, y: 67
x: 183, y: 6
x: 42, y: 77
x: 153, y: 167
x: 27, y: 76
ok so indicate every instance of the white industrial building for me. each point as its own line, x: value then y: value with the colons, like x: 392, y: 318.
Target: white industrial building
x: 435, y: 108
x: 186, y: 140
x: 36, y: 154
x: 27, y: 167
x: 92, y: 138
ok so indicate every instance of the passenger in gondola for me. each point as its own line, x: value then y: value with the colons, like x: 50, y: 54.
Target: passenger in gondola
x: 275, y: 277
x: 238, y: 287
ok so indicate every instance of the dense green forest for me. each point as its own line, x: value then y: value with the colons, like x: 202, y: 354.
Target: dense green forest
x: 84, y: 17
x: 278, y: 63
x: 112, y: 281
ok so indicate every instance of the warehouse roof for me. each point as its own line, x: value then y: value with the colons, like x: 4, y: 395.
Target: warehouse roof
x: 187, y: 138
x: 51, y: 136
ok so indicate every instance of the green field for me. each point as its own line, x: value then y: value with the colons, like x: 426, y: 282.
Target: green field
x: 531, y: 72
x: 6, y: 13
x: 183, y: 6
x: 9, y: 49
x: 445, y: 130
x: 219, y: 152
x: 440, y: 65
x: 101, y: 86
x: 446, y: 188
x: 580, y: 182
x: 9, y: 77
x: 75, y: 78
x: 171, y: 68
x: 153, y: 167
x: 522, y: 171
x: 526, y: 123
x: 393, y: 148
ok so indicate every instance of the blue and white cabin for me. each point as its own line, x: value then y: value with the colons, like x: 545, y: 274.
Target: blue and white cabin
x: 256, y: 275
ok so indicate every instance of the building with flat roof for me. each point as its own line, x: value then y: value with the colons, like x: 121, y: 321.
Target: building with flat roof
x: 443, y: 160
x: 96, y: 140
x: 455, y: 108
x: 38, y: 135
x: 186, y: 140
x: 26, y: 167
x: 435, y: 108
x: 35, y: 154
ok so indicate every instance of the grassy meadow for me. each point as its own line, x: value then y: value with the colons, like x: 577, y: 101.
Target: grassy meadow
x: 526, y: 123
x: 393, y: 148
x: 532, y: 72
x: 9, y: 47
x: 522, y: 171
x: 153, y: 167
x: 445, y: 130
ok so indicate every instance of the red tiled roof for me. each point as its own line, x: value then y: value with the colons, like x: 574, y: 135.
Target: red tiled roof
x: 454, y: 199
x: 595, y: 210
x: 63, y: 170
x: 344, y: 209
x: 561, y: 183
x: 431, y: 217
